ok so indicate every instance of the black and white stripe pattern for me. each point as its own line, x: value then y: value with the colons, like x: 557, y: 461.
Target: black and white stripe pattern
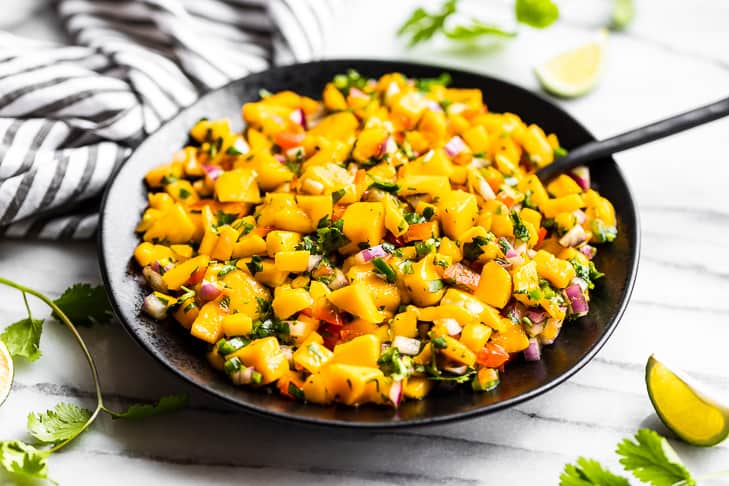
x: 70, y: 114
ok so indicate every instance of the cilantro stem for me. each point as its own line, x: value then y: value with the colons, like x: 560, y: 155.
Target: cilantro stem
x: 27, y: 307
x: 89, y: 359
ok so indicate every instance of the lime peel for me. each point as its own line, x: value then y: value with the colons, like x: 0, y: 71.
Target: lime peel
x: 6, y: 372
x: 688, y: 409
x: 575, y: 72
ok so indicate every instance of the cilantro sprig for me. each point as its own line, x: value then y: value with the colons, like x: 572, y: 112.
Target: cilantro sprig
x: 423, y: 25
x: 53, y: 429
x: 648, y: 456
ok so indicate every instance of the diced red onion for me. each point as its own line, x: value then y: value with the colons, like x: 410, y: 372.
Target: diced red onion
x: 294, y: 153
x: 588, y: 251
x: 314, y: 261
x: 451, y: 325
x: 297, y: 328
x: 581, y: 175
x: 533, y: 352
x: 516, y: 261
x: 573, y: 237
x: 456, y: 370
x: 434, y: 106
x: 280, y: 157
x: 406, y: 345
x: 369, y: 254
x: 455, y: 146
x: 357, y: 93
x: 243, y: 376
x: 154, y: 279
x: 339, y: 281
x: 154, y: 307
x: 208, y: 291
x: 456, y: 108
x: 510, y: 251
x: 521, y: 248
x: 387, y: 146
x: 580, y: 216
x: 578, y: 281
x: 212, y: 171
x: 298, y: 116
x: 534, y: 330
x: 288, y: 352
x: 536, y: 316
x: 578, y: 303
x: 396, y: 393
x: 311, y: 186
x: 517, y: 310
x: 485, y: 190
x: 531, y: 253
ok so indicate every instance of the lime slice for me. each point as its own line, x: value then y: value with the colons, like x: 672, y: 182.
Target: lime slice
x: 6, y: 372
x: 575, y: 72
x: 687, y: 409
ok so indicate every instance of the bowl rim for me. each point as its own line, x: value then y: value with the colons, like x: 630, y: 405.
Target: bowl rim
x: 634, y: 255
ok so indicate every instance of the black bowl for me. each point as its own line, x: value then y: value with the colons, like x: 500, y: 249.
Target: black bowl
x: 579, y: 341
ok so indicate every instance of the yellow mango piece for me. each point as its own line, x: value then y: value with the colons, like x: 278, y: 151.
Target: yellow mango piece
x: 475, y: 335
x: 394, y: 217
x: 351, y: 384
x: 316, y: 207
x: 181, y: 252
x: 147, y: 253
x: 364, y: 222
x: 288, y: 301
x: 532, y: 184
x: 405, y: 324
x: 249, y: 245
x: 513, y: 339
x: 417, y: 387
x: 266, y: 357
x: 237, y: 185
x: 315, y: 390
x: 494, y: 288
x: 333, y: 98
x: 529, y: 215
x: 318, y: 289
x: 227, y: 237
x: 537, y: 146
x: 369, y: 143
x: 176, y: 277
x: 208, y: 325
x: 558, y: 272
x: 563, y: 185
x: 433, y: 126
x: 360, y: 351
x: 237, y: 325
x: 457, y: 212
x: 271, y: 173
x: 477, y: 139
x: 564, y: 204
x: 279, y: 240
x: 458, y: 352
x: 526, y: 282
x: 186, y: 313
x: 424, y: 285
x: 292, y: 261
x: 434, y: 162
x: 338, y: 126
x: 182, y: 191
x: 423, y: 184
x: 243, y: 291
x: 357, y: 300
x: 311, y: 357
x: 174, y: 226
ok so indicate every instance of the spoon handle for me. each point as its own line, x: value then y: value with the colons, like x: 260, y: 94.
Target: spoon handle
x: 635, y: 137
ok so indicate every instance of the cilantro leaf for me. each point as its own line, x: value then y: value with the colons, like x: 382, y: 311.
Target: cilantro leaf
x: 23, y: 459
x: 589, y: 472
x: 476, y: 29
x: 23, y: 338
x: 85, y: 305
x: 169, y: 403
x: 652, y: 460
x: 65, y: 421
x: 536, y: 13
x: 422, y: 25
x: 520, y: 230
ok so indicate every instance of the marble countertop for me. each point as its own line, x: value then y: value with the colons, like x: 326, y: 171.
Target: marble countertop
x: 671, y: 59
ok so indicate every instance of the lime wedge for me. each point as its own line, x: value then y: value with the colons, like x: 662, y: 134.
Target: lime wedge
x: 685, y: 407
x: 575, y: 72
x: 6, y: 372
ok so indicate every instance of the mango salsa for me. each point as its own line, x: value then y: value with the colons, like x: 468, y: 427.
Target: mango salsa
x: 367, y: 247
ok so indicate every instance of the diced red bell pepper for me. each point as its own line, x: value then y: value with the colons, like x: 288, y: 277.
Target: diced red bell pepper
x: 462, y: 275
x: 542, y: 233
x: 492, y: 356
x: 197, y: 276
x: 289, y: 140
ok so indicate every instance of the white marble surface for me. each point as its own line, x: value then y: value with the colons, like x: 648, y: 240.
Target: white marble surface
x: 673, y: 57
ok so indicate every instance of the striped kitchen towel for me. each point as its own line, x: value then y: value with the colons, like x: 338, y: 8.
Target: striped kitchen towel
x: 70, y: 114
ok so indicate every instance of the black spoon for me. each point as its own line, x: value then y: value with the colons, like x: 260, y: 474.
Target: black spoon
x: 635, y: 137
